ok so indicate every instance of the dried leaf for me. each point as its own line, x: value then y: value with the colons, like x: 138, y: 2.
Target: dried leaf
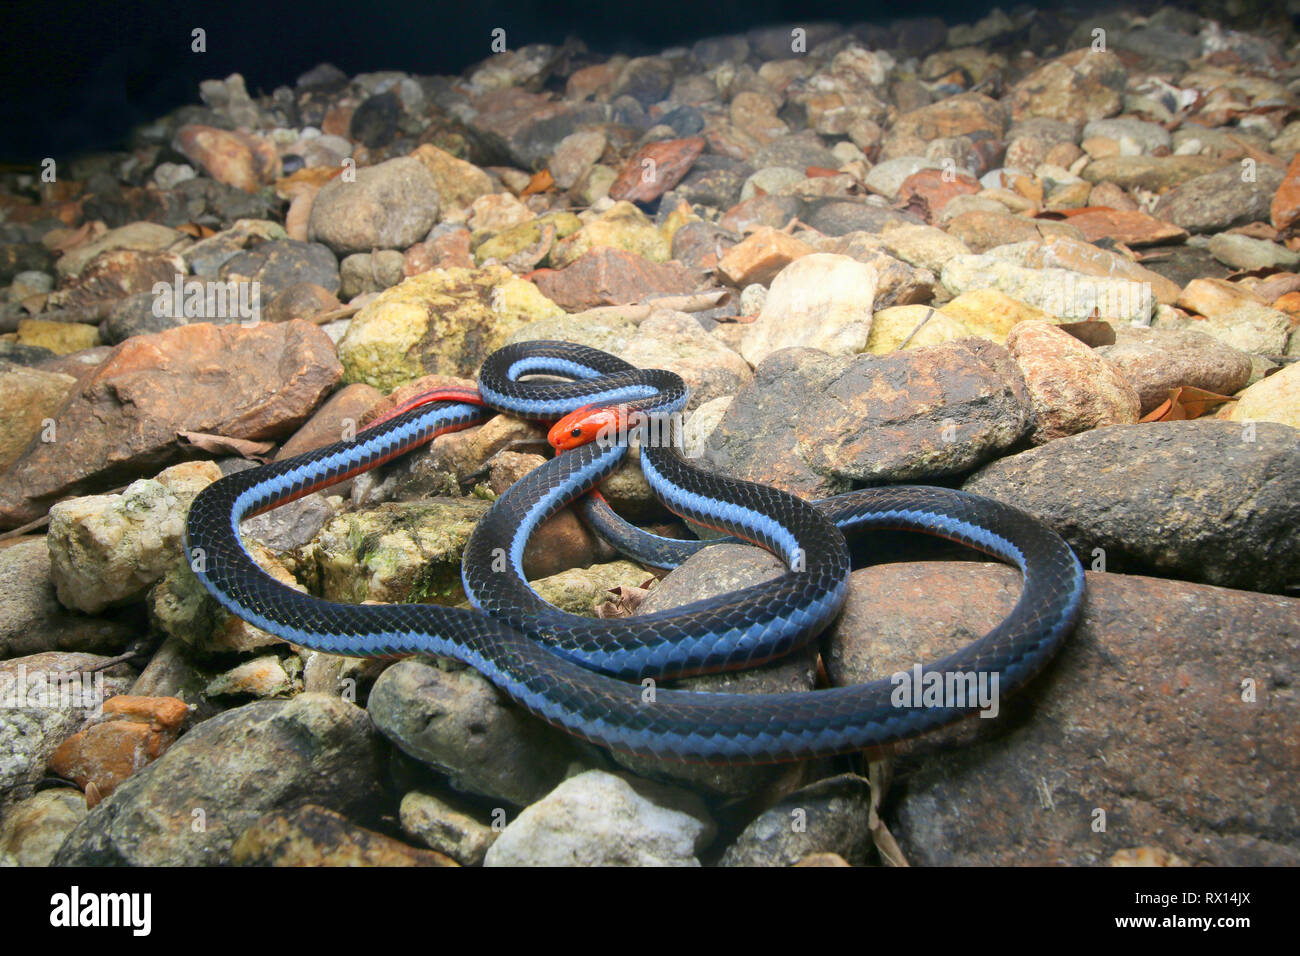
x: 1184, y: 403
x: 1091, y: 333
x: 626, y: 600
x: 222, y: 445
x: 539, y: 183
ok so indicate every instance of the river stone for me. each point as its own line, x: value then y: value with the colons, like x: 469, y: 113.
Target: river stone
x: 830, y: 816
x: 715, y: 571
x: 1204, y: 500
x: 1154, y: 361
x: 391, y: 205
x: 453, y: 719
x: 817, y: 424
x: 821, y: 301
x: 31, y: 618
x: 1141, y: 715
x: 1072, y: 389
x: 599, y: 819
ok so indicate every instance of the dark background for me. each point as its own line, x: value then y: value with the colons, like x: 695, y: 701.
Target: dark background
x: 76, y: 76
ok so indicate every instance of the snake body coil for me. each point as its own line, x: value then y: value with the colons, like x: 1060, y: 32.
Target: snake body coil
x: 567, y: 669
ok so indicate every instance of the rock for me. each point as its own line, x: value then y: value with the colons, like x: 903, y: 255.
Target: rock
x: 1284, y: 208
x: 1064, y: 293
x: 821, y: 301
x: 1213, y: 296
x: 1156, y: 173
x: 982, y: 231
x: 190, y: 806
x: 1150, y: 136
x: 911, y: 327
x: 575, y: 155
x: 991, y: 314
x: 47, y: 697
x: 33, y: 828
x: 388, y: 206
x: 206, y: 257
x: 1154, y: 361
x: 612, y: 277
x: 137, y: 236
x: 622, y: 226
x: 1272, y: 399
x: 815, y: 424
x: 1129, y: 226
x: 311, y: 835
x: 598, y: 819
x: 923, y: 246
x: 1144, y: 699
x: 1255, y: 329
x: 302, y: 300
x: 109, y: 549
x: 28, y: 399
x: 455, y: 721
x: 31, y: 618
x: 264, y: 676
x: 291, y: 525
x: 1220, y: 200
x: 718, y: 570
x: 458, y: 183
x: 829, y: 817
x: 362, y: 273
x: 181, y: 607
x: 527, y: 243
x: 677, y: 342
x: 1158, y: 505
x: 760, y: 256
x: 442, y: 827
x: 279, y: 266
x: 1243, y: 252
x: 138, y: 731
x: 123, y: 418
x: 966, y: 114
x: 397, y: 552
x: 61, y: 338
x: 1077, y: 87
x: 1061, y: 252
x: 1071, y: 388
x: 112, y: 276
x: 231, y: 157
x: 443, y: 322
x: 656, y: 168
x: 344, y: 413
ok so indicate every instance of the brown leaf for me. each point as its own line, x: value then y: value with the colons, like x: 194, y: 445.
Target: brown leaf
x: 222, y: 445
x: 1090, y: 333
x: 539, y: 183
x: 1184, y: 403
x: 626, y: 600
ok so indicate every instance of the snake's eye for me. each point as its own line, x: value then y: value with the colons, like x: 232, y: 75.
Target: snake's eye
x: 576, y: 433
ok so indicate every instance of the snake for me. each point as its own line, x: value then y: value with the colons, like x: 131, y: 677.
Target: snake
x: 599, y: 679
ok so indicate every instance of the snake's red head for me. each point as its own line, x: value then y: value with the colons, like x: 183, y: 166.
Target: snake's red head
x: 583, y: 426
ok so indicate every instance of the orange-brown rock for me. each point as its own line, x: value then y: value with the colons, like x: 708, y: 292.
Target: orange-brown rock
x: 121, y: 421
x: 1131, y: 227
x: 228, y: 156
x: 656, y: 168
x: 1285, y: 208
x: 139, y: 730
x: 762, y: 254
x: 609, y: 276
